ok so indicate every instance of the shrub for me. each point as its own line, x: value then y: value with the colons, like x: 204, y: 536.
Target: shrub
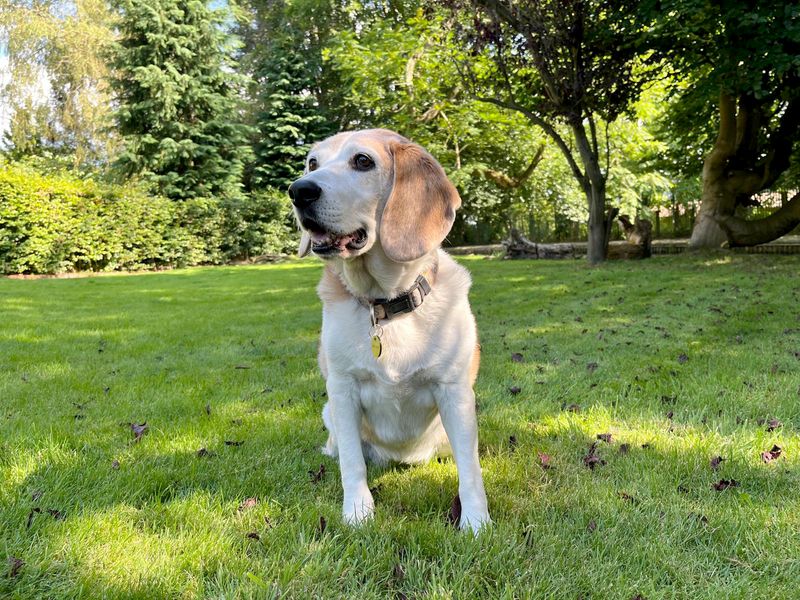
x: 260, y: 223
x: 60, y: 222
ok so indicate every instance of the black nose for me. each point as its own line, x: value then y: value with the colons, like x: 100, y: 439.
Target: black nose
x: 303, y: 192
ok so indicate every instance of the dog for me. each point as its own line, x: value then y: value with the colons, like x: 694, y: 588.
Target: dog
x: 398, y: 349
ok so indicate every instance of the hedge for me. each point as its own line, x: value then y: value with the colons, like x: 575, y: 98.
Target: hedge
x: 59, y: 223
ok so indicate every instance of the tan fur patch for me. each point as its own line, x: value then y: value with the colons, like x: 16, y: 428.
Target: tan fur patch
x: 421, y: 207
x: 475, y: 364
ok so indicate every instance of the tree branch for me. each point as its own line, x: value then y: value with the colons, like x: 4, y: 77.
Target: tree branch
x: 546, y: 127
x: 742, y: 232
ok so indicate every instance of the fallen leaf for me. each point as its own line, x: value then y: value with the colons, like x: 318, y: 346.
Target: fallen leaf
x: 14, y: 566
x: 627, y: 497
x: 115, y: 465
x: 242, y: 367
x: 517, y: 357
x: 316, y: 476
x: 139, y: 430
x: 682, y: 358
x: 34, y: 510
x: 591, y: 460
x: 592, y: 526
x: 323, y: 524
x: 454, y: 514
x: 56, y: 514
x: 253, y: 536
x: 606, y: 437
x: 544, y: 460
x: 248, y: 504
x: 233, y: 442
x: 715, y: 462
x: 592, y: 367
x: 512, y: 442
x: 514, y: 390
x: 770, y: 455
x: 773, y: 424
x: 204, y: 453
x: 724, y: 484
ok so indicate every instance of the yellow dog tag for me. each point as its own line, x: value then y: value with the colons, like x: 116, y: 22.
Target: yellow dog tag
x: 377, y: 348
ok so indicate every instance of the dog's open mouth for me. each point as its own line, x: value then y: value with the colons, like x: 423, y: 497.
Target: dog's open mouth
x: 327, y: 242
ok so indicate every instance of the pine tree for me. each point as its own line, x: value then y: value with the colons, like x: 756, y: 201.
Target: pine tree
x: 285, y: 57
x: 178, y: 108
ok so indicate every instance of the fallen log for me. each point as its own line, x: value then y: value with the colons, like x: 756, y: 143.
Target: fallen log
x: 518, y: 246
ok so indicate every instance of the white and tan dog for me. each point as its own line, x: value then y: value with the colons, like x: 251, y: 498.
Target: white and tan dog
x: 399, y: 373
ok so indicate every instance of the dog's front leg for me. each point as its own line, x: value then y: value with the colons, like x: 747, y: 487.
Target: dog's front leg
x: 346, y: 416
x: 456, y: 404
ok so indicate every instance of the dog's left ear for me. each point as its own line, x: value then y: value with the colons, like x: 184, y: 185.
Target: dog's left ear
x: 421, y: 207
x: 305, y: 244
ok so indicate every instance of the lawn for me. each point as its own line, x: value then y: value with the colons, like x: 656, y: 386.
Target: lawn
x: 224, y: 492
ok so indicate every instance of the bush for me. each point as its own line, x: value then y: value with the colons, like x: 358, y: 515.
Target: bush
x: 258, y: 224
x: 59, y: 222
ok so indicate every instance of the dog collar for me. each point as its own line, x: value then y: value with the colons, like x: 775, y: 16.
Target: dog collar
x: 382, y: 309
x: 406, y: 302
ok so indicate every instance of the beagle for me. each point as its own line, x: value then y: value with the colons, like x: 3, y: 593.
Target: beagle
x: 399, y: 349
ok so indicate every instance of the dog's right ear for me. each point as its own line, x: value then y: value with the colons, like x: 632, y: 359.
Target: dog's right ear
x: 305, y: 244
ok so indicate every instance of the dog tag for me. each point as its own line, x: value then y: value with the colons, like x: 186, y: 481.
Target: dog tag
x: 377, y: 348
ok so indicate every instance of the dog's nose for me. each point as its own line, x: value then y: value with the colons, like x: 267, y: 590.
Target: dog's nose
x: 303, y: 192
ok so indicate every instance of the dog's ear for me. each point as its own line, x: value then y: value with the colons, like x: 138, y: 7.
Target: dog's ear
x: 305, y: 244
x: 421, y: 207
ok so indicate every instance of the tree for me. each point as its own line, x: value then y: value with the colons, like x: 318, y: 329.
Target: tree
x: 570, y: 62
x: 57, y: 94
x: 742, y: 64
x: 284, y: 43
x: 177, y: 91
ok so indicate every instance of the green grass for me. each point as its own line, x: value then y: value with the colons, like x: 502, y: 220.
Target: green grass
x: 166, y: 522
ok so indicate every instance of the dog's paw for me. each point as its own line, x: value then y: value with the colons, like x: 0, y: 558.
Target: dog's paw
x: 358, y: 509
x: 474, y: 521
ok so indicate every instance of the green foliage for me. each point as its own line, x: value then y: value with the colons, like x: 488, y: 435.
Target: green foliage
x: 56, y: 87
x: 60, y: 223
x: 177, y: 93
x: 747, y: 49
x: 283, y: 43
x: 259, y: 223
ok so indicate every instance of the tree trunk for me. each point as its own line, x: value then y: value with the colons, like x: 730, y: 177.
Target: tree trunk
x: 594, y: 186
x: 740, y: 232
x: 733, y: 173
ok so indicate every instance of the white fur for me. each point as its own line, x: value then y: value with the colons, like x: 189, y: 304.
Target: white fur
x: 416, y: 400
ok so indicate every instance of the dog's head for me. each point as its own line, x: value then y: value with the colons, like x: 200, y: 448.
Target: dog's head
x: 373, y: 187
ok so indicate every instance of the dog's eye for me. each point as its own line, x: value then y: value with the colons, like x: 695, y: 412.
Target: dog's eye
x: 362, y: 162
x: 312, y: 164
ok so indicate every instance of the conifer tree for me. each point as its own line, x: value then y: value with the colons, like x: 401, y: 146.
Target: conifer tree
x: 178, y: 108
x: 285, y: 42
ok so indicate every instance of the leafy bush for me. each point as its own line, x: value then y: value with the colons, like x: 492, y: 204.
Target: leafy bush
x: 258, y: 224
x: 60, y: 222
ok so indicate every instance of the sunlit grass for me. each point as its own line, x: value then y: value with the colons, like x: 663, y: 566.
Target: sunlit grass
x: 209, y: 356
